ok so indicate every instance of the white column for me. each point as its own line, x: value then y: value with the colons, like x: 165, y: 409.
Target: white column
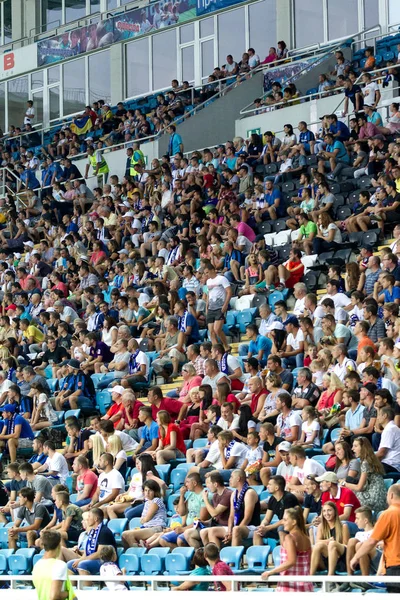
x: 284, y: 22
x: 117, y: 61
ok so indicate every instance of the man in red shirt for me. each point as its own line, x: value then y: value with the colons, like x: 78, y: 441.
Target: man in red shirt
x: 346, y: 501
x: 157, y: 403
x: 289, y: 273
x: 114, y: 413
x: 218, y: 567
x: 130, y: 415
x: 87, y: 481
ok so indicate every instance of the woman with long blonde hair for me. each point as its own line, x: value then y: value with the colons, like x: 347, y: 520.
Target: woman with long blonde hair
x: 114, y: 447
x: 331, y: 540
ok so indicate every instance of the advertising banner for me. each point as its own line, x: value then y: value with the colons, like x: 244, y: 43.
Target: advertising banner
x: 17, y: 62
x: 209, y: 6
x: 290, y: 71
x: 129, y: 25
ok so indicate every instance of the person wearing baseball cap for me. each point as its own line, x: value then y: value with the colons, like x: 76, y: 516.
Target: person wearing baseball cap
x: 16, y: 433
x: 293, y: 355
x: 346, y: 501
x: 114, y: 413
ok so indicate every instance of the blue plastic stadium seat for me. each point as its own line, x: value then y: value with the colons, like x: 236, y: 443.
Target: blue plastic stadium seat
x: 163, y: 471
x: 177, y: 564
x: 134, y: 523
x: 103, y: 401
x: 72, y: 413
x: 276, y: 556
x: 233, y: 555
x: 177, y: 478
x: 200, y: 443
x: 129, y: 562
x: 257, y: 558
x: 322, y: 459
x: 117, y: 526
x: 4, y: 538
x: 137, y: 551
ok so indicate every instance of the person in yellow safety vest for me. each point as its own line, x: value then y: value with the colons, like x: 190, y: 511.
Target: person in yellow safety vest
x: 96, y: 160
x: 137, y: 157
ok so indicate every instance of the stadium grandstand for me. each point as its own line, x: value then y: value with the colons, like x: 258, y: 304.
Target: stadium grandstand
x: 199, y: 297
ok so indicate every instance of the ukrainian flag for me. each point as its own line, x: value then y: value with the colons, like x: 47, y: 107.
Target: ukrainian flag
x: 83, y: 125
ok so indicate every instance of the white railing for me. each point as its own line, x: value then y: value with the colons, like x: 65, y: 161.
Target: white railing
x: 151, y: 581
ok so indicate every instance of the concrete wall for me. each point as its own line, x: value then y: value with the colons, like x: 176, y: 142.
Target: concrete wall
x: 117, y: 161
x: 216, y: 123
x: 275, y: 120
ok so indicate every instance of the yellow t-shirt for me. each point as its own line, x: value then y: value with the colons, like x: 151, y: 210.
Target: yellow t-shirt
x: 35, y: 333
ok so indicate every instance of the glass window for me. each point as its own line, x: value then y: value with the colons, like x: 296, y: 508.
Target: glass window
x: 94, y: 6
x: 394, y: 12
x: 137, y: 68
x: 227, y: 23
x: 74, y: 97
x: 53, y: 74
x: 371, y: 12
x: 187, y: 55
x: 99, y: 76
x: 207, y: 27
x: 54, y: 102
x: 164, y: 59
x: 51, y: 14
x: 262, y: 22
x: 111, y: 4
x: 17, y: 99
x: 186, y: 33
x: 37, y: 98
x: 207, y: 58
x: 37, y: 79
x: 74, y: 10
x: 342, y: 18
x: 7, y: 22
x: 309, y: 22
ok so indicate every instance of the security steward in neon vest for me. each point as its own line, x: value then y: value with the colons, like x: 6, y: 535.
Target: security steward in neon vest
x: 99, y: 168
x: 137, y: 157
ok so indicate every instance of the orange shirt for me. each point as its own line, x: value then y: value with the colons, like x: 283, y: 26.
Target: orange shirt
x: 366, y: 341
x: 387, y: 529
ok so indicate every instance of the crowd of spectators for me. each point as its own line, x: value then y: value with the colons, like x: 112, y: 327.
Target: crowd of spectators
x: 128, y: 292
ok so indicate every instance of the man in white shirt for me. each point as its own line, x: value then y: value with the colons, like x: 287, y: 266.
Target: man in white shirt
x: 340, y: 300
x: 254, y: 59
x: 344, y: 364
x: 29, y: 113
x: 303, y: 467
x: 110, y: 484
x: 228, y: 420
x: 371, y: 91
x: 218, y: 297
x: 56, y: 467
x: 389, y: 447
x: 293, y: 355
x: 233, y: 454
x: 107, y: 429
x: 66, y: 313
x: 300, y: 293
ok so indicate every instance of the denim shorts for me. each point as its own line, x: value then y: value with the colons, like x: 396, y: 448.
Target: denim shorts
x: 172, y: 538
x: 92, y: 566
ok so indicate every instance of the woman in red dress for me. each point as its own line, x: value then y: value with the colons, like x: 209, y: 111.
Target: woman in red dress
x: 295, y: 553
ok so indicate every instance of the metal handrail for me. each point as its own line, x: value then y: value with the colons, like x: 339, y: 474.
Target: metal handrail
x: 234, y: 579
x: 306, y: 97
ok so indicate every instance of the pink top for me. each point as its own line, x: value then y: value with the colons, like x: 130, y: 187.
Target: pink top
x: 188, y: 385
x: 247, y: 231
x: 221, y: 568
